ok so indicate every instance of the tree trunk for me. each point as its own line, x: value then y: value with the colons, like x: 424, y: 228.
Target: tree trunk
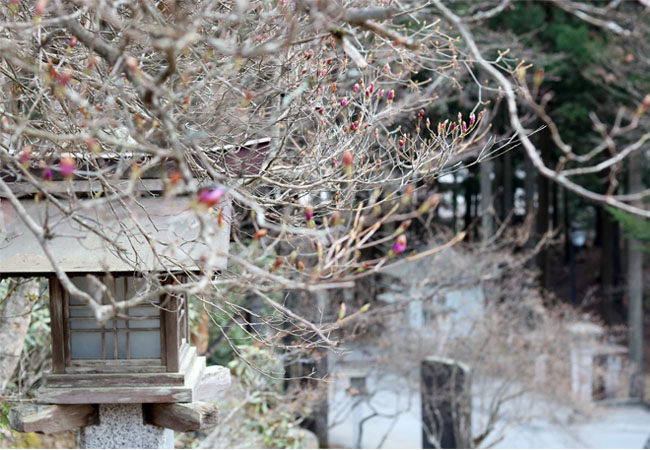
x: 567, y: 224
x: 508, y: 198
x: 529, y: 185
x: 543, y: 185
x: 497, y: 189
x: 529, y: 196
x: 635, y: 289
x: 598, y: 212
x: 607, y: 266
x: 454, y: 202
x: 487, y: 211
x: 14, y: 323
x: 556, y: 208
x: 468, y: 204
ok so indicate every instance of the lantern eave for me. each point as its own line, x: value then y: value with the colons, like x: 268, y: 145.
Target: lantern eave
x: 143, y: 234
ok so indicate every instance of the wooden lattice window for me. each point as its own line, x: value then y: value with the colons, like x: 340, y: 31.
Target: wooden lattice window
x: 135, y: 334
x: 146, y: 338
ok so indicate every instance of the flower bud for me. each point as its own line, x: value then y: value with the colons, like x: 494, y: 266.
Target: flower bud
x: 309, y: 213
x: 431, y: 203
x: 175, y: 178
x: 136, y: 171
x: 347, y: 158
x: 92, y: 145
x: 131, y: 63
x: 644, y: 106
x: 40, y: 7
x: 521, y: 74
x: 67, y: 166
x: 400, y: 244
x: 26, y: 155
x: 259, y: 234
x: 276, y: 264
x: 342, y: 310
x: 210, y: 197
x: 65, y: 77
x: 47, y: 172
x: 336, y: 218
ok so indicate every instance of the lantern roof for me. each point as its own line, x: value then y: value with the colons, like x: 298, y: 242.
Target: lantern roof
x: 145, y: 231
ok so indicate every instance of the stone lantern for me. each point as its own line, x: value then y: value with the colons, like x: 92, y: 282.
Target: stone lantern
x: 135, y: 373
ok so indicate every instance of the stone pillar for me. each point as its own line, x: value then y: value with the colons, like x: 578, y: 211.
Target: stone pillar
x: 585, y: 338
x: 122, y: 426
x: 446, y: 404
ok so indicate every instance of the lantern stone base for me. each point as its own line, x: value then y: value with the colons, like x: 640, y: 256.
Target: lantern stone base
x: 123, y: 426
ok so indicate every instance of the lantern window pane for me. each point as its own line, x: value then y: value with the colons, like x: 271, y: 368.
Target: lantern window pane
x: 144, y: 310
x: 121, y: 345
x: 80, y: 311
x: 83, y: 324
x: 109, y: 346
x: 135, y: 334
x: 145, y: 344
x: 76, y: 302
x: 148, y: 323
x: 84, y: 345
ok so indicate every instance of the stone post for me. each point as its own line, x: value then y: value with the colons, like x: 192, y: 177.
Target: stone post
x: 446, y: 404
x: 585, y: 338
x: 122, y: 426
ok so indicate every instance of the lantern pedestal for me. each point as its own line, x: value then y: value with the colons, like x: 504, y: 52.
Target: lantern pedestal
x: 123, y: 426
x: 128, y: 425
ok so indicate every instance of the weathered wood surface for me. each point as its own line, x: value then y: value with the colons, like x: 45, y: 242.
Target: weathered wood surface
x: 57, y: 327
x: 114, y: 379
x: 81, y: 187
x: 169, y: 316
x: 153, y: 365
x: 191, y: 372
x: 214, y: 380
x: 51, y: 418
x: 182, y: 417
x: 136, y: 394
x: 171, y: 225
